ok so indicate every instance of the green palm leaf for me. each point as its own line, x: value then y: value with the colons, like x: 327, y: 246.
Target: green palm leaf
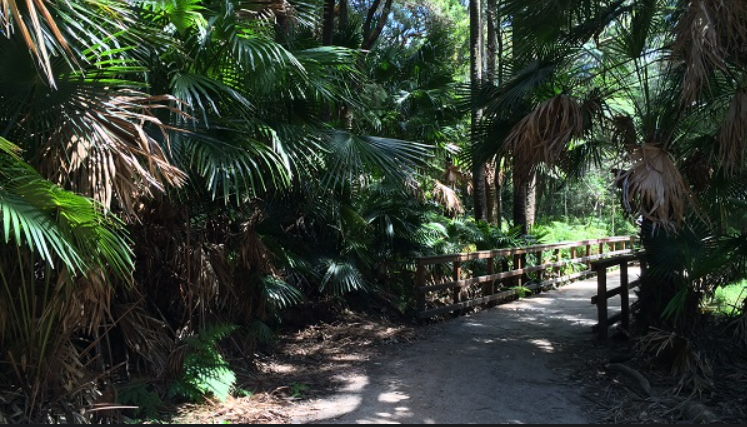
x: 56, y: 223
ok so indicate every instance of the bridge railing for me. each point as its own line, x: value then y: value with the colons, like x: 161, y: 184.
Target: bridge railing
x: 604, y: 294
x: 505, y: 273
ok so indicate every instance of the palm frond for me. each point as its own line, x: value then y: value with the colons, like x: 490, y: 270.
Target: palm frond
x: 710, y: 37
x: 341, y: 277
x: 56, y: 223
x: 655, y: 188
x: 544, y: 135
x: 352, y: 158
x: 447, y: 198
x: 733, y: 136
x: 42, y: 27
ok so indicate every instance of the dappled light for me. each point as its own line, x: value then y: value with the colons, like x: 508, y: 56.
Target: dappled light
x: 373, y: 211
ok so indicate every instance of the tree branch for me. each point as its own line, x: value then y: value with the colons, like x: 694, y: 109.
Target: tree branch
x: 373, y: 37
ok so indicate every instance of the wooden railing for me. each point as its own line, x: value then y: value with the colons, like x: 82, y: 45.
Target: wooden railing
x: 506, y: 273
x: 601, y: 300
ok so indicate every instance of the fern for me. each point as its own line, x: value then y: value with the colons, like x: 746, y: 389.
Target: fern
x: 206, y: 372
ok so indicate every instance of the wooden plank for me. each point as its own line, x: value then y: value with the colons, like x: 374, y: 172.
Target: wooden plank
x: 518, y: 267
x: 489, y: 289
x: 615, y: 292
x: 615, y: 261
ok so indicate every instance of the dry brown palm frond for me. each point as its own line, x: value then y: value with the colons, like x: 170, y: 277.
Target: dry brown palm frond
x: 624, y: 130
x: 453, y: 174
x: 12, y: 17
x: 106, y: 152
x: 733, y: 136
x: 698, y: 171
x: 685, y: 361
x: 82, y: 303
x: 145, y: 336
x: 710, y: 34
x: 447, y: 198
x: 264, y: 9
x: 543, y: 136
x: 655, y: 188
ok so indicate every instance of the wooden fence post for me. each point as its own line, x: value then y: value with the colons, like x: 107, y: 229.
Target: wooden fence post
x: 519, y: 280
x: 457, y: 276
x: 491, y: 271
x: 625, y: 295
x: 602, y: 302
x: 420, y: 283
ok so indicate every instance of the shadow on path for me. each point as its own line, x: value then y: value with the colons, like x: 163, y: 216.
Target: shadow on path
x: 504, y: 365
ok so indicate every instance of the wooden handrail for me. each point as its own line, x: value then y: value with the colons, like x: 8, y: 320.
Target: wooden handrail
x: 498, y: 253
x: 515, y: 276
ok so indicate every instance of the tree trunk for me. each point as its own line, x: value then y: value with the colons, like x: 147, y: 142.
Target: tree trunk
x: 344, y: 13
x: 476, y: 74
x: 499, y: 193
x: 371, y: 34
x: 328, y: 31
x: 525, y: 202
x: 520, y: 203
x: 531, y: 205
x: 490, y: 192
x: 492, y: 53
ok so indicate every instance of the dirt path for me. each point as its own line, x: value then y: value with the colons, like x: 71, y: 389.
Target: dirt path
x: 504, y: 365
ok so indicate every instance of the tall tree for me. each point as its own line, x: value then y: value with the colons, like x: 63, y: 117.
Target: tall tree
x: 493, y: 194
x: 328, y: 29
x: 476, y: 76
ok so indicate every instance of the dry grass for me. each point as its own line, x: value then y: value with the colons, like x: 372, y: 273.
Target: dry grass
x: 655, y: 187
x: 543, y: 136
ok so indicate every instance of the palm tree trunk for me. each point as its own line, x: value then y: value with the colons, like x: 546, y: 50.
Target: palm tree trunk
x: 531, y: 205
x: 476, y: 74
x: 490, y: 192
x: 520, y: 203
x: 525, y: 202
x: 499, y: 193
x: 328, y: 30
x: 344, y: 13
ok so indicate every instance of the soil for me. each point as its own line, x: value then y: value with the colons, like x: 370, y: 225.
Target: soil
x: 530, y: 361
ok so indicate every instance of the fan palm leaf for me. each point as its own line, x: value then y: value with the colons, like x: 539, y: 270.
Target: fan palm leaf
x: 544, y: 135
x: 55, y: 223
x: 95, y: 132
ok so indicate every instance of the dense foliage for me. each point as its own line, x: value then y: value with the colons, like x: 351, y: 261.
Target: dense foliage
x: 176, y: 172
